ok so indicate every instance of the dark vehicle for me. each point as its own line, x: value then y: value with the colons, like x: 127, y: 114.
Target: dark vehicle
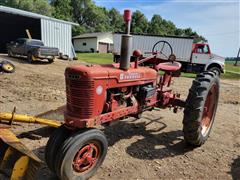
x: 32, y: 48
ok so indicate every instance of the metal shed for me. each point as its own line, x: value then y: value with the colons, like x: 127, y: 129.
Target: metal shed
x: 53, y: 32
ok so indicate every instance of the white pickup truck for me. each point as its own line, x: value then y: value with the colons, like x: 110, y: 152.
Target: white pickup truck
x: 194, y: 57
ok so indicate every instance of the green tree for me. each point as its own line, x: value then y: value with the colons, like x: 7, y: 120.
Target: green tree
x: 37, y: 6
x: 194, y: 34
x: 155, y: 25
x: 42, y: 7
x: 90, y: 16
x: 139, y: 22
x: 115, y: 20
x: 62, y: 9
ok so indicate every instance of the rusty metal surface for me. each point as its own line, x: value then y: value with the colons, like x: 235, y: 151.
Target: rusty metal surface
x: 8, y: 137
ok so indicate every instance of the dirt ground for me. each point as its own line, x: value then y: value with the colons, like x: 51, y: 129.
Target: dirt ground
x: 149, y: 148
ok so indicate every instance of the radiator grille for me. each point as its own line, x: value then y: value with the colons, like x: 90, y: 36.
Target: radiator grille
x: 80, y: 101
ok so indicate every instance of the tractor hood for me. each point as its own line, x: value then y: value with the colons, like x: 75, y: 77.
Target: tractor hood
x: 110, y: 71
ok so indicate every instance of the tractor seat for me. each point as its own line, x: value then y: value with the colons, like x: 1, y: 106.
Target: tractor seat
x: 169, y: 66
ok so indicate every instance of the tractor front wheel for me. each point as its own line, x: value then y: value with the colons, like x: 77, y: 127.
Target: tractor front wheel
x: 54, y: 143
x: 200, y: 109
x: 81, y: 155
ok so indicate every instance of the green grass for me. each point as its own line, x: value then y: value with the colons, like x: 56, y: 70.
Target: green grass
x: 99, y: 58
x: 229, y: 75
x: 96, y: 58
x: 229, y: 65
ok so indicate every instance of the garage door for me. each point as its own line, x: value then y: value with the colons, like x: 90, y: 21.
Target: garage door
x: 103, y: 47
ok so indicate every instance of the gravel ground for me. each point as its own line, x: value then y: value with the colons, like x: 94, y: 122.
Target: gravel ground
x: 149, y: 148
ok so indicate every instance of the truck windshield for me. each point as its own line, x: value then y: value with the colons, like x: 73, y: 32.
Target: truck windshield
x: 202, y: 49
x: 35, y: 43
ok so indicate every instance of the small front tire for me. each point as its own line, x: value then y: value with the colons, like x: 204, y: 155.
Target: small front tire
x: 81, y: 155
x: 54, y: 143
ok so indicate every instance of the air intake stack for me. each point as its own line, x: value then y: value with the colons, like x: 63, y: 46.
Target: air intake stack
x: 126, y: 44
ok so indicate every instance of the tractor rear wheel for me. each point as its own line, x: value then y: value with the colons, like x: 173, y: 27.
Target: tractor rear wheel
x: 215, y: 69
x: 200, y: 109
x: 54, y: 143
x: 81, y: 155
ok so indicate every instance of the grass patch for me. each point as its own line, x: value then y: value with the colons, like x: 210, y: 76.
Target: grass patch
x: 229, y: 66
x: 229, y: 75
x: 100, y: 58
x: 96, y: 58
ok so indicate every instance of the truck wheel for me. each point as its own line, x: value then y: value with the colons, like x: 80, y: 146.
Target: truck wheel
x: 8, y: 67
x: 10, y: 53
x: 54, y: 143
x: 50, y: 60
x: 81, y: 155
x: 29, y: 57
x: 200, y: 109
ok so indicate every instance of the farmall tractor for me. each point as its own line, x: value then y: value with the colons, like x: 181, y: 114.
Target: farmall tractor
x: 101, y: 94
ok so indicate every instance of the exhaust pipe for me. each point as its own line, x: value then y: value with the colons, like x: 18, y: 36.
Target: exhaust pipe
x: 126, y: 44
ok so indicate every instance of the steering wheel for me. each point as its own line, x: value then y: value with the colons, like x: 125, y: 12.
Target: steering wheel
x: 161, y: 45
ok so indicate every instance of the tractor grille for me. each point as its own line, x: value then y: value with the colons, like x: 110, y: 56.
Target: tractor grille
x: 80, y: 101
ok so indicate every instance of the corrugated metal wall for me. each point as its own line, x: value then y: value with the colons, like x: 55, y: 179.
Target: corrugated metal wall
x: 56, y: 34
x: 181, y: 46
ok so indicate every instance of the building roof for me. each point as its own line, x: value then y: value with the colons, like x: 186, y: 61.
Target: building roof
x: 97, y: 34
x: 32, y: 15
x: 166, y: 36
x: 92, y: 35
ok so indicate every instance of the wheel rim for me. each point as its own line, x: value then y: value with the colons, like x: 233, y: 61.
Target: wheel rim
x: 209, y: 110
x: 86, y: 157
x: 8, y: 67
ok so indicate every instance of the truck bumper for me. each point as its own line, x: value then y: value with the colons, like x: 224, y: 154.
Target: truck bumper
x: 45, y: 57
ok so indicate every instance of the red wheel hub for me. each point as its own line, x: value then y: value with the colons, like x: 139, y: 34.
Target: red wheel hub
x: 209, y: 110
x: 86, y: 157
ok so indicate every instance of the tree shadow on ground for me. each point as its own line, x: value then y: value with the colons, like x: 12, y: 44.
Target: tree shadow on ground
x: 235, y: 169
x: 153, y: 143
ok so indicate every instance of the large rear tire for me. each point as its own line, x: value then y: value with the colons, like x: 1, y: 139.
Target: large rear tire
x: 200, y: 109
x: 81, y: 155
x: 54, y: 143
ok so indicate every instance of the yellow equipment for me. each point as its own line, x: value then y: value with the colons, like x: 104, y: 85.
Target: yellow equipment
x: 12, y: 117
x: 28, y: 34
x: 17, y: 162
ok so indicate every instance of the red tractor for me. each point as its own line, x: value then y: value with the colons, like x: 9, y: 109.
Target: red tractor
x: 101, y: 94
